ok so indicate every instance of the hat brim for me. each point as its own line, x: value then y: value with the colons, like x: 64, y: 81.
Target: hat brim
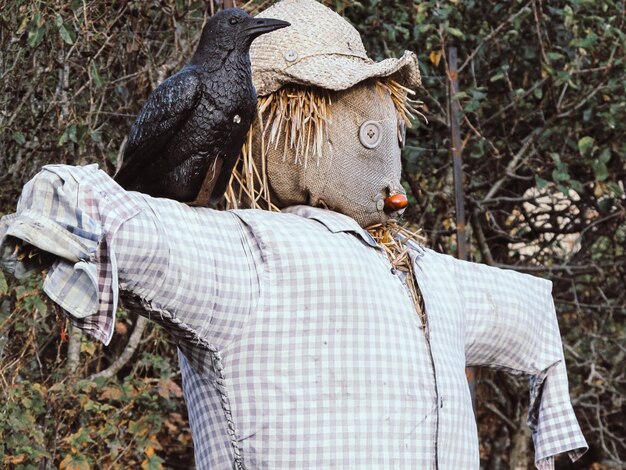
x: 335, y: 72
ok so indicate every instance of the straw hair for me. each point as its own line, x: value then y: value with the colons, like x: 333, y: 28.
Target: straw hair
x: 407, y: 108
x: 301, y: 115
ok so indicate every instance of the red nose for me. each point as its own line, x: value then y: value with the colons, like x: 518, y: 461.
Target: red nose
x: 396, y: 202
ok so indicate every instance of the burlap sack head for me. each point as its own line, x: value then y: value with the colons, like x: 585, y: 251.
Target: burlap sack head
x: 330, y: 121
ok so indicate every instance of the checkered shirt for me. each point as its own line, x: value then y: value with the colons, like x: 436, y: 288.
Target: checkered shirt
x: 299, y: 344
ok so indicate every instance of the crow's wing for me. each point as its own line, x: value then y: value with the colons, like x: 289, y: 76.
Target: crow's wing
x: 166, y: 111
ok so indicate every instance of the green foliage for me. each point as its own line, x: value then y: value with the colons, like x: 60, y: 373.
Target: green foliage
x: 49, y: 416
x: 74, y: 75
x: 23, y: 441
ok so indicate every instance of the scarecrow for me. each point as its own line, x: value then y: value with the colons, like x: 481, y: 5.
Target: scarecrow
x: 305, y: 341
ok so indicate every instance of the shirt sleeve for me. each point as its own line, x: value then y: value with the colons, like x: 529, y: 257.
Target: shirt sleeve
x: 197, y: 268
x: 192, y: 267
x: 512, y: 325
x: 66, y: 219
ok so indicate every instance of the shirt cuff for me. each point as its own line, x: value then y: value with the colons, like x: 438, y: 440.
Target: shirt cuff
x: 558, y: 432
x: 70, y: 214
x: 554, y: 426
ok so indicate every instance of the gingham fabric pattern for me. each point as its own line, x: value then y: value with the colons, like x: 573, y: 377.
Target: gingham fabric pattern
x: 299, y: 345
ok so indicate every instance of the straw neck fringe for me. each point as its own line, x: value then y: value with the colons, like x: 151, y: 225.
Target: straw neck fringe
x: 393, y: 239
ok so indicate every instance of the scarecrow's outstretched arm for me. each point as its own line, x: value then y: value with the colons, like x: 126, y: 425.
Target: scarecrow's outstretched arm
x: 182, y: 264
x: 512, y: 325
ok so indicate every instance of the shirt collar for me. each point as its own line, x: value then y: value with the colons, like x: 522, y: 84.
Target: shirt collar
x: 333, y: 221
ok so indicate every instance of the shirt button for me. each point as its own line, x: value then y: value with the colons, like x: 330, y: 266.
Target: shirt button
x: 370, y: 134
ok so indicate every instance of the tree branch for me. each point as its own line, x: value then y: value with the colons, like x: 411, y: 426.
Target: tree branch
x: 73, y: 349
x: 513, y: 163
x: 128, y: 352
x: 480, y: 238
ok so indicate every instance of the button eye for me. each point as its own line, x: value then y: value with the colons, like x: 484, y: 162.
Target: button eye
x: 233, y: 20
x: 370, y: 134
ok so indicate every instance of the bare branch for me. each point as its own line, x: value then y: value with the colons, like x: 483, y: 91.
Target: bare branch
x: 128, y: 352
x: 510, y: 168
x: 480, y: 238
x: 73, y: 349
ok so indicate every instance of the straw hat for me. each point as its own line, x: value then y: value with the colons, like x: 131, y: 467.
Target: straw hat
x: 320, y: 49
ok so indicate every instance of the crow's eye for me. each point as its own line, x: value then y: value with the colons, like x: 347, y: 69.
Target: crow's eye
x: 233, y: 21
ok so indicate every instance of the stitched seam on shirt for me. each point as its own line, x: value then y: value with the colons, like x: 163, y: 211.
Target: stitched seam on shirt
x: 431, y: 358
x: 216, y: 362
x: 166, y: 318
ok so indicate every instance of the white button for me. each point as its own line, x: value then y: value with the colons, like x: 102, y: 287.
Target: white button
x: 370, y: 134
x: 290, y: 55
x: 237, y: 119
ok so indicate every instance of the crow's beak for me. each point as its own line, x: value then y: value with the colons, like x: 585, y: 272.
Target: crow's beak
x: 258, y: 26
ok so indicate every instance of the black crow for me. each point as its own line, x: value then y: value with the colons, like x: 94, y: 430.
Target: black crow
x: 194, y: 124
